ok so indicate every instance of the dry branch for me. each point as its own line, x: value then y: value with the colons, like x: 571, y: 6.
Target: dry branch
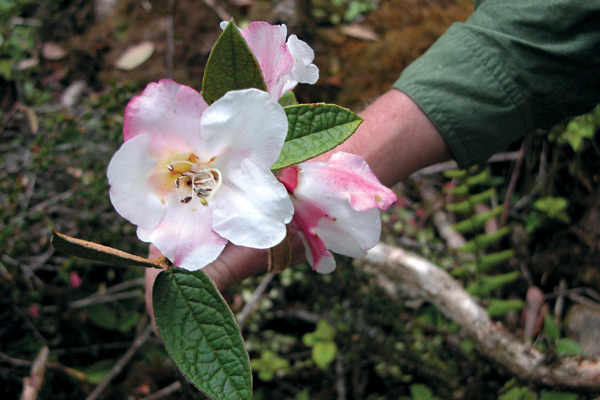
x: 492, y: 341
x: 33, y: 383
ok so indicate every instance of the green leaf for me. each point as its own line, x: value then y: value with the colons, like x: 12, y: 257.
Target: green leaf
x: 569, y: 347
x: 324, y: 330
x: 418, y: 391
x: 313, y: 130
x: 487, y: 261
x: 97, y: 252
x: 230, y: 66
x: 201, y: 335
x: 477, y: 220
x: 323, y: 353
x: 288, y: 99
x: 103, y: 315
x: 481, y: 241
x: 98, y: 371
x: 551, y: 329
x: 493, y: 282
x: 547, y: 395
x: 499, y: 307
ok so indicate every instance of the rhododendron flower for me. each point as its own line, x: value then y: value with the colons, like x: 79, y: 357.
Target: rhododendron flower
x: 283, y: 64
x: 193, y: 177
x: 336, y: 207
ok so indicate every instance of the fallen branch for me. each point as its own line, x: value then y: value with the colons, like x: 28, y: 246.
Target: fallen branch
x: 491, y: 340
x: 33, y: 383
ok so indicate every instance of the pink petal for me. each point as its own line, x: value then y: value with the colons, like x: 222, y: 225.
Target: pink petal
x: 307, y: 216
x: 185, y: 235
x: 336, y: 207
x: 348, y: 176
x: 252, y: 207
x: 167, y: 111
x: 267, y: 42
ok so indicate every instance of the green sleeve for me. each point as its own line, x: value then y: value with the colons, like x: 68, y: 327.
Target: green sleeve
x: 513, y: 66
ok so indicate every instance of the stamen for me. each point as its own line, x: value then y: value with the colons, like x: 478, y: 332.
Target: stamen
x: 180, y: 166
x: 200, y: 179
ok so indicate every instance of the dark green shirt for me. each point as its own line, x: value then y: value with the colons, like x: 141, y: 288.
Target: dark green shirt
x: 513, y: 66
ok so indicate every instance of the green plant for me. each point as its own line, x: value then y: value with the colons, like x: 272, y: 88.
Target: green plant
x: 324, y: 348
x: 270, y: 364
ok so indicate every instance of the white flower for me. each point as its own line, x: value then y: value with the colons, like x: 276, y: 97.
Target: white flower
x: 193, y: 177
x: 283, y: 64
x: 335, y: 207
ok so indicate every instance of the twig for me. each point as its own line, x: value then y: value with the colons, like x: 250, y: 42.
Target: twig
x: 116, y: 370
x: 340, y: 383
x: 220, y: 11
x: 97, y: 299
x: 33, y: 383
x: 167, y: 390
x: 448, y: 165
x: 105, y: 299
x: 255, y: 296
x: 512, y: 184
x: 453, y: 238
x: 492, y: 341
x: 41, y: 206
x: 17, y: 362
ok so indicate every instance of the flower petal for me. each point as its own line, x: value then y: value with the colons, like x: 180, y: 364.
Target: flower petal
x: 304, y: 71
x: 131, y: 191
x: 252, y: 207
x: 185, y: 235
x: 167, y: 111
x: 317, y: 255
x: 350, y: 232
x: 346, y: 176
x: 267, y: 42
x: 244, y: 124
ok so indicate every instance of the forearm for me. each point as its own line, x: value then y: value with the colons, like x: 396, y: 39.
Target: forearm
x: 396, y: 138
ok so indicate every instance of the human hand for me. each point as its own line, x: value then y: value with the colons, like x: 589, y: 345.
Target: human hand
x: 233, y: 265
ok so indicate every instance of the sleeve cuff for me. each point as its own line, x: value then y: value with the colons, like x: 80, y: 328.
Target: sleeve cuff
x: 468, y: 94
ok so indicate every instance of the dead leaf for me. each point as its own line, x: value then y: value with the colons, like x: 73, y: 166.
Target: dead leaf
x: 135, y: 56
x: 27, y: 63
x: 32, y: 118
x: 360, y: 32
x: 52, y: 51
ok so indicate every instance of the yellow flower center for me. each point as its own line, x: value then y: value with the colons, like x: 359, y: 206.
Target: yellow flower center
x: 192, y: 178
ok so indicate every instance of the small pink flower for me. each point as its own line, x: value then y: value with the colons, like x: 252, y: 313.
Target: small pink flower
x: 283, y: 63
x: 74, y: 280
x: 336, y: 207
x: 34, y: 311
x: 193, y: 177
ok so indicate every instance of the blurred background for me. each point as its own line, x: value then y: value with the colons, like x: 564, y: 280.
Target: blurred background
x: 524, y: 237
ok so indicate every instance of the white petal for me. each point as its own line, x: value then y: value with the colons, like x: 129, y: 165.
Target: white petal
x: 167, y: 111
x: 244, y: 124
x: 131, y: 191
x: 350, y: 232
x: 304, y: 71
x: 185, y: 235
x: 252, y: 207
